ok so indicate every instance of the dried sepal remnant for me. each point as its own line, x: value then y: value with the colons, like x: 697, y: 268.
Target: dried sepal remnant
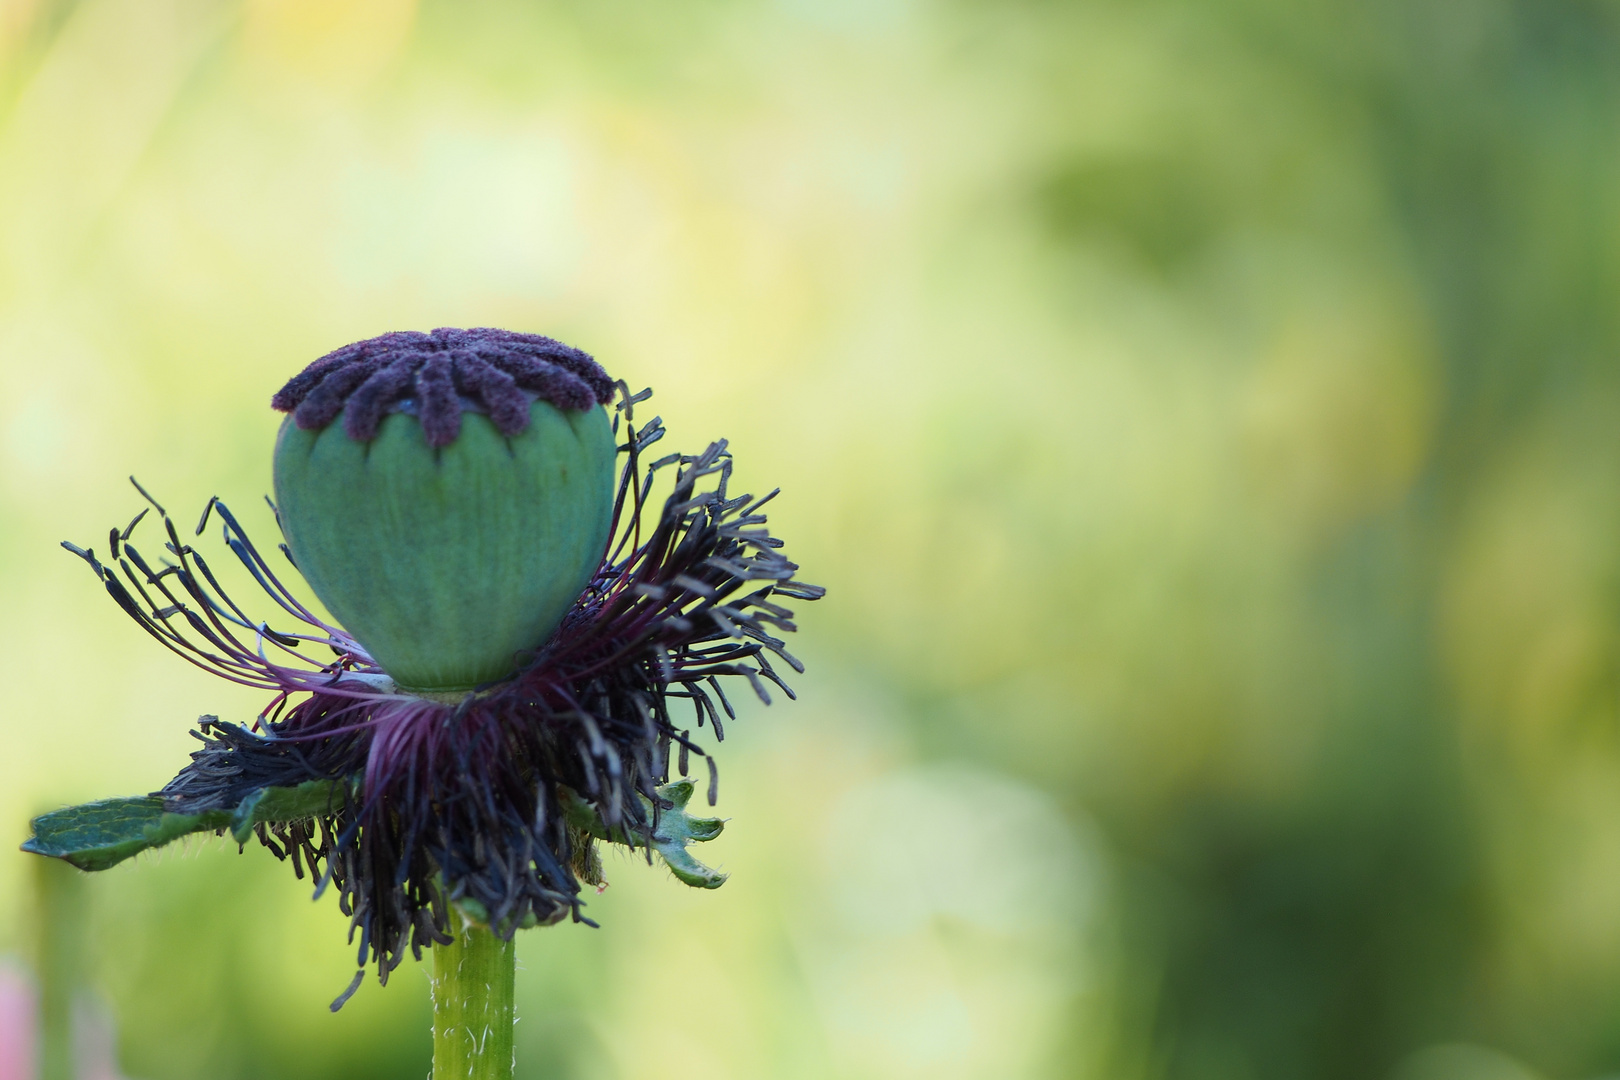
x: 437, y: 376
x: 471, y: 802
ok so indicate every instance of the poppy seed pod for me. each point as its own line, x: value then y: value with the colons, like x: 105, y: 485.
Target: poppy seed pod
x: 461, y: 506
x: 448, y: 564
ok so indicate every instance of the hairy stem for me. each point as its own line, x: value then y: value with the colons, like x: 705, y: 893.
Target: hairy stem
x: 472, y: 1007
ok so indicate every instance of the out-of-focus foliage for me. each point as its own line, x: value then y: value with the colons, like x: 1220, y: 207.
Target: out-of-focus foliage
x: 1202, y: 413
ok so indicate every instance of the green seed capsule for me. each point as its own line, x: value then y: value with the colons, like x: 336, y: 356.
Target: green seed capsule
x: 447, y: 564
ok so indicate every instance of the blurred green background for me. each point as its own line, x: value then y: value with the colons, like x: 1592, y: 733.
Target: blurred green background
x: 1202, y: 413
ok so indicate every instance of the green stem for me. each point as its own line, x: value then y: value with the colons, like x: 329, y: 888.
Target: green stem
x: 472, y: 1007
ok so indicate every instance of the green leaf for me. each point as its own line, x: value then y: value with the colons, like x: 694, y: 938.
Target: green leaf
x: 97, y: 835
x: 102, y: 834
x: 676, y: 829
x: 312, y: 798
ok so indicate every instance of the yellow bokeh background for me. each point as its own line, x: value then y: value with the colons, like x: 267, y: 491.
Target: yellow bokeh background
x: 1201, y: 414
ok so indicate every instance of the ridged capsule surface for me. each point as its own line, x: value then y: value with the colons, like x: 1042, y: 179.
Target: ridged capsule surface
x: 449, y: 564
